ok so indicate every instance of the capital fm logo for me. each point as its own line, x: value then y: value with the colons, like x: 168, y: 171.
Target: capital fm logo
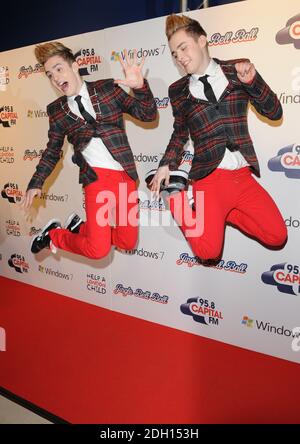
x: 287, y: 161
x: 18, y: 262
x: 11, y: 192
x: 285, y: 276
x: 8, y: 117
x: 88, y: 61
x: 25, y: 72
x: 202, y: 311
x: 290, y: 33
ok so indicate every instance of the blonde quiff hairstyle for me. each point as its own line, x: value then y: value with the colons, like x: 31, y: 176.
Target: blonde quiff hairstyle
x: 44, y: 51
x: 175, y: 22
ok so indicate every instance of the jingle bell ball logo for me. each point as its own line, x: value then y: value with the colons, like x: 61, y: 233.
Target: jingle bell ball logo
x: 285, y: 276
x: 146, y: 295
x: 11, y: 192
x: 88, y: 61
x: 290, y: 33
x: 287, y: 161
x: 25, y: 72
x: 33, y: 154
x: 187, y: 158
x: 18, y: 262
x: 162, y: 103
x: 202, y: 311
x: 239, y: 36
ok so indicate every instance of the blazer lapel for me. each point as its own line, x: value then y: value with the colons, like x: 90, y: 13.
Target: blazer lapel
x: 66, y: 109
x: 95, y: 98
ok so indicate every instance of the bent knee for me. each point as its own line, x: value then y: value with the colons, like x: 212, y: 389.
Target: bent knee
x: 278, y: 238
x: 97, y: 251
x: 207, y: 253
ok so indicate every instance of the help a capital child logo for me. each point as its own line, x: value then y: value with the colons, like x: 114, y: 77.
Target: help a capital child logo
x: 18, y: 262
x: 11, y: 192
x: 287, y: 161
x: 96, y: 283
x: 285, y: 276
x: 202, y: 311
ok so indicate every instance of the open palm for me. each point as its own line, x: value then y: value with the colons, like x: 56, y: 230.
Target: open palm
x: 133, y: 71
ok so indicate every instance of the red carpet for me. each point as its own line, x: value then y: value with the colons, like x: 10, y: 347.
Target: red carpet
x: 90, y: 365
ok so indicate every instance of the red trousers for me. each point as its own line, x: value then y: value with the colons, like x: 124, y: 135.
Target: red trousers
x: 233, y: 197
x: 111, y: 207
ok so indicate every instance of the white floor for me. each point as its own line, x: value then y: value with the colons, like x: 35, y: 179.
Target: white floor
x: 12, y: 413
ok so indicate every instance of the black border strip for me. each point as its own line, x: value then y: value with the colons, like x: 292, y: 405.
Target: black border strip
x: 32, y: 407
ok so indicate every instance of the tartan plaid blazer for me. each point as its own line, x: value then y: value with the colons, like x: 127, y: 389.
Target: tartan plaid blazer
x: 109, y: 102
x: 213, y: 127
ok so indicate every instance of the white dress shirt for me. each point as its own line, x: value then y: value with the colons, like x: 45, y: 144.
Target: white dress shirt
x: 96, y: 154
x: 232, y: 160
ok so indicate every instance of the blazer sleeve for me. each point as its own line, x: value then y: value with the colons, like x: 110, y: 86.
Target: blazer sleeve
x: 263, y: 98
x: 180, y: 135
x: 142, y: 106
x: 50, y: 156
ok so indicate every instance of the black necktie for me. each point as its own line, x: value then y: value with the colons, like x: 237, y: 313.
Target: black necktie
x: 90, y: 119
x: 208, y: 91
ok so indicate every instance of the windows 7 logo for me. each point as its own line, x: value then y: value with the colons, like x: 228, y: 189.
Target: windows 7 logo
x: 290, y: 33
x: 247, y: 321
x: 115, y: 56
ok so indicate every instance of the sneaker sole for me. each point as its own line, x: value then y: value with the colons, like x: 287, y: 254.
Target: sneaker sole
x: 44, y: 229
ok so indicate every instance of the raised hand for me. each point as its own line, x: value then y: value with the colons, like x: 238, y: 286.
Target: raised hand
x: 133, y: 71
x: 245, y: 71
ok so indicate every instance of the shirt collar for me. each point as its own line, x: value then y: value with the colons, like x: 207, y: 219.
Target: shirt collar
x: 83, y: 92
x: 211, y: 70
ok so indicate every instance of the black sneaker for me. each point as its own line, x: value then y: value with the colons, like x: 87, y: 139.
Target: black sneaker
x: 178, y: 180
x: 42, y: 240
x: 73, y: 223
